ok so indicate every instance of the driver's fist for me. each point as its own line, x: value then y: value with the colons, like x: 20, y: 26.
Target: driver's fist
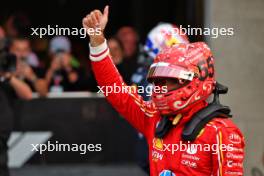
x: 96, y: 19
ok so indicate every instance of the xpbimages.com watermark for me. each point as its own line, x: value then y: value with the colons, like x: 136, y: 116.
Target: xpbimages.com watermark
x: 56, y: 30
x: 213, y: 32
x: 148, y: 90
x: 59, y: 147
x: 191, y: 148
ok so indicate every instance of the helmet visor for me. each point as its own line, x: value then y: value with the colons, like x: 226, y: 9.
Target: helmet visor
x: 166, y: 70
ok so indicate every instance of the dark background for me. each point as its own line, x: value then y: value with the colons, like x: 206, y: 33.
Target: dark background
x: 143, y: 15
x: 78, y: 121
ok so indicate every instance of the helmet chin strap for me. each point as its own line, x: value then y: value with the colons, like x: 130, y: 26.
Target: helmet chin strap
x: 176, y: 119
x: 163, y: 127
x: 166, y: 124
x: 168, y: 121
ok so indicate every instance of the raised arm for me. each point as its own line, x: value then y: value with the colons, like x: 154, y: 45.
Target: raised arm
x: 129, y: 104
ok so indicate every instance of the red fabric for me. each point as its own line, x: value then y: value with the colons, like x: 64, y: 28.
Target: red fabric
x: 144, y: 117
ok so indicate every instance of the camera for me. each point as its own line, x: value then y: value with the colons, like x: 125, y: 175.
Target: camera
x: 7, y: 60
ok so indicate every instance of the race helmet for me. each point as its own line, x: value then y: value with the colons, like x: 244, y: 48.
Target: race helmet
x: 192, y: 66
x: 161, y: 36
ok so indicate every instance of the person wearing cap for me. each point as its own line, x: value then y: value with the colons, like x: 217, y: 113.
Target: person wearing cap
x: 64, y: 72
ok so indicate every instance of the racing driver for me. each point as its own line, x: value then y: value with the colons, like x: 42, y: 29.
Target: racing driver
x: 179, y: 116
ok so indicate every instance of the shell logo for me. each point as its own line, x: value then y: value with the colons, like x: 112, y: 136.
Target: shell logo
x: 158, y: 144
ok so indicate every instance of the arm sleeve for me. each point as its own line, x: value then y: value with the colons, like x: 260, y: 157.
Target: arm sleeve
x: 128, y: 103
x: 228, y: 160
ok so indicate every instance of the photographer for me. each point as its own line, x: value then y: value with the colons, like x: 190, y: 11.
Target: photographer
x: 65, y: 72
x: 10, y: 89
x: 28, y: 66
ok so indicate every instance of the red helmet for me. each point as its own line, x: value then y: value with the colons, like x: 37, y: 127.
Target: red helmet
x: 191, y: 64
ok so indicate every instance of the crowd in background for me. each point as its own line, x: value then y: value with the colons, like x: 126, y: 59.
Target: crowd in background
x: 49, y: 65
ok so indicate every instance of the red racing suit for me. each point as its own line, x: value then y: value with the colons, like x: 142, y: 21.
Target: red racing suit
x: 219, y: 149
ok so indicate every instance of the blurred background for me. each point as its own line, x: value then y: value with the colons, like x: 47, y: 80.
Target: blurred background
x: 64, y: 105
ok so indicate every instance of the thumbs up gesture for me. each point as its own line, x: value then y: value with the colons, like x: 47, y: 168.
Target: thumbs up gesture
x: 96, y: 20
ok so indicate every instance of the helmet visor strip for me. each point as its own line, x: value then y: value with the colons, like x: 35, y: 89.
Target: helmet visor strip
x: 165, y: 70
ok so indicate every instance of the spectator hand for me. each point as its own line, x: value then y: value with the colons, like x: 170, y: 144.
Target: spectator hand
x: 55, y: 64
x: 73, y: 77
x: 5, y: 77
x: 26, y: 72
x: 66, y: 62
x: 29, y: 73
